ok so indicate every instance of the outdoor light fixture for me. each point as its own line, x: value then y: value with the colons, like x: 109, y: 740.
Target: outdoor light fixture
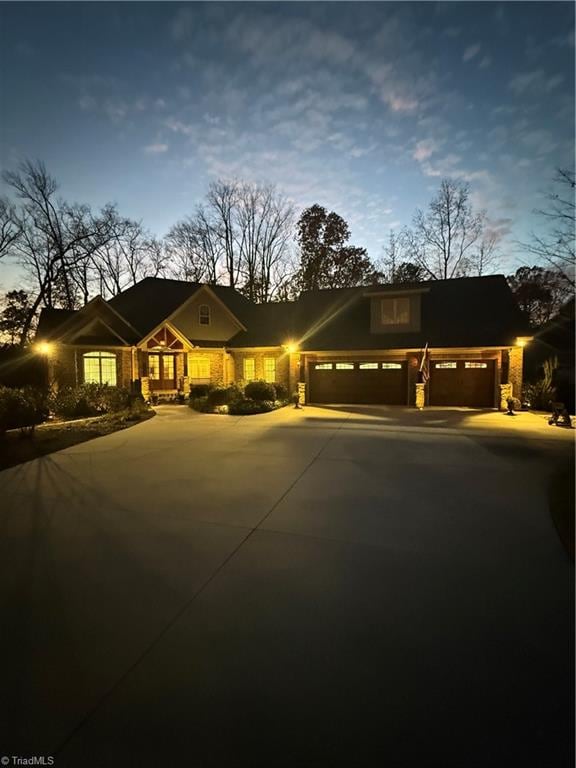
x: 43, y: 348
x: 291, y: 347
x: 521, y: 341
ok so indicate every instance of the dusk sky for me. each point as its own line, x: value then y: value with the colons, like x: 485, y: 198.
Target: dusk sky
x: 361, y: 107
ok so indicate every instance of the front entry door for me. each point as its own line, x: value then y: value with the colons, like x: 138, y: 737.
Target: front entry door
x: 161, y: 371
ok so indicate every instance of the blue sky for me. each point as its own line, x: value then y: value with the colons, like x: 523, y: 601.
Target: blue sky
x: 361, y: 107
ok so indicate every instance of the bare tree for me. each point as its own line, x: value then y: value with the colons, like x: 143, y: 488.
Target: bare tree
x: 555, y: 243
x: 10, y: 229
x: 264, y: 221
x: 442, y: 237
x: 194, y: 249
x: 484, y: 256
x: 222, y: 199
x: 56, y: 238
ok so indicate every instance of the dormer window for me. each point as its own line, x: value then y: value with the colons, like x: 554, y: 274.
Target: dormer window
x: 395, y: 311
x: 204, y: 314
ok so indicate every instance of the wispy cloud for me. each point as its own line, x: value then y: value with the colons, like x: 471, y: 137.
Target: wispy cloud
x: 536, y: 80
x: 156, y: 149
x: 424, y: 149
x: 471, y: 51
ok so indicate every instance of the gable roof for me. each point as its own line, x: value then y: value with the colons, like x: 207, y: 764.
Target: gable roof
x: 50, y: 320
x: 148, y: 303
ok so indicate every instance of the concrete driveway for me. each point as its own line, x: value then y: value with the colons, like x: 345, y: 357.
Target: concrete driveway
x: 321, y: 587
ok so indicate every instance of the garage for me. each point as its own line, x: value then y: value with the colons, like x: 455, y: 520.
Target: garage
x: 358, y: 382
x: 462, y: 382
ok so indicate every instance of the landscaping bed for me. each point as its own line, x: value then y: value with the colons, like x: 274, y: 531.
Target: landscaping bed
x: 16, y: 448
x: 254, y: 397
x: 27, y: 430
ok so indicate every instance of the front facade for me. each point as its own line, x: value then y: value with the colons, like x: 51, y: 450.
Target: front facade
x: 440, y: 343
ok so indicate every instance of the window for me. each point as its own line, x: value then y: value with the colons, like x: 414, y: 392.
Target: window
x: 368, y: 366
x: 249, y: 369
x: 100, y: 368
x: 391, y: 366
x: 270, y: 369
x: 444, y: 365
x: 323, y: 367
x: 344, y: 366
x: 204, y: 314
x: 154, y: 366
x: 395, y: 311
x: 167, y: 366
x: 475, y: 365
x: 199, y: 369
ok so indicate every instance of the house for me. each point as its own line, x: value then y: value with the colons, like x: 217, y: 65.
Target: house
x: 349, y: 345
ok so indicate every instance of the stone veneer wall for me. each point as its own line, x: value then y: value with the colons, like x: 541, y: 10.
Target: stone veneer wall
x: 515, y: 370
x: 283, y: 364
x: 216, y: 357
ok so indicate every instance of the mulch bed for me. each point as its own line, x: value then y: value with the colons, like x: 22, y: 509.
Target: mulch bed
x: 16, y: 448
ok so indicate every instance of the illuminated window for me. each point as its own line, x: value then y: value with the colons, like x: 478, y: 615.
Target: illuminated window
x: 368, y: 366
x: 167, y: 366
x: 475, y: 365
x: 395, y: 311
x: 391, y: 366
x: 154, y: 366
x: 249, y: 369
x: 323, y: 366
x: 204, y: 314
x: 100, y: 368
x: 199, y: 369
x: 444, y: 365
x: 270, y: 369
x: 344, y: 366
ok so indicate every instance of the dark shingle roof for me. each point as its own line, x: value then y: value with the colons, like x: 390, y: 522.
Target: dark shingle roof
x: 462, y: 312
x: 50, y: 320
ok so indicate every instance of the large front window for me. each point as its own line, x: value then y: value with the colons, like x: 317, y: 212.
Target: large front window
x: 249, y: 369
x: 199, y: 370
x: 270, y: 369
x: 100, y: 368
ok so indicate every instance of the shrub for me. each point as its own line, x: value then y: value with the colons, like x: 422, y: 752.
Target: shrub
x: 247, y: 407
x: 200, y: 390
x: 281, y: 391
x: 22, y: 408
x: 260, y: 390
x: 199, y: 404
x: 89, y: 400
x: 223, y: 395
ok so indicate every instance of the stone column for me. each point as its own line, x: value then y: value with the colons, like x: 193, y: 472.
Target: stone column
x: 293, y: 372
x: 302, y: 392
x: 145, y: 387
x: 505, y: 393
x: 516, y: 357
x: 420, y: 396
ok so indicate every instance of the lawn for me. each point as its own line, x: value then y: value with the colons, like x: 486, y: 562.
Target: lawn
x: 16, y: 448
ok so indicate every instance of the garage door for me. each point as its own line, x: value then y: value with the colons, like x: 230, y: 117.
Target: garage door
x: 462, y: 382
x: 358, y: 382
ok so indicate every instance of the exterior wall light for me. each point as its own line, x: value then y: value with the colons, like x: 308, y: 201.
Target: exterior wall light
x: 521, y: 341
x: 43, y: 348
x: 291, y: 347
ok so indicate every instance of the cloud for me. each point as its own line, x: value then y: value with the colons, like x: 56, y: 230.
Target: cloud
x: 156, y: 149
x: 424, y: 149
x: 536, y: 80
x: 485, y: 62
x: 471, y: 51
